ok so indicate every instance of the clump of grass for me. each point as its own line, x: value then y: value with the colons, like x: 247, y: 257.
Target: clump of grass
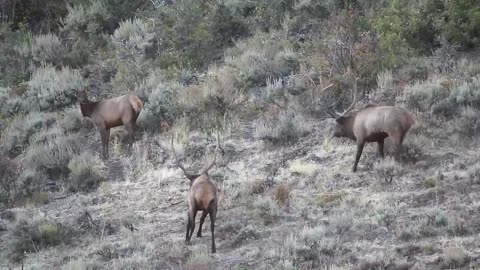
x: 303, y: 168
x: 199, y: 260
x: 330, y: 198
x: 281, y: 194
x: 431, y: 181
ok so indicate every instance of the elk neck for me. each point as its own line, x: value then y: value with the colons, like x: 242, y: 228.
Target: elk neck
x: 349, y: 126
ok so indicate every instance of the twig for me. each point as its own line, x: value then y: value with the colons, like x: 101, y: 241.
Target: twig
x: 166, y: 206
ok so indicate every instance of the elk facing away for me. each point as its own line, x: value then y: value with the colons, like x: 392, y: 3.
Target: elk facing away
x: 373, y: 124
x: 113, y: 112
x: 202, y: 196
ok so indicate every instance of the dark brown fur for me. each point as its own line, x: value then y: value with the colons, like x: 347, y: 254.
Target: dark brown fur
x: 374, y: 124
x: 113, y: 112
x: 202, y: 196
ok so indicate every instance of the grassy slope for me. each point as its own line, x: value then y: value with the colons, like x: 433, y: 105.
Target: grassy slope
x: 345, y: 217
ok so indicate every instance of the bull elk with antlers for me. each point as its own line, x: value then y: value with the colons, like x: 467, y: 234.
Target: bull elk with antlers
x: 109, y: 113
x: 202, y: 196
x: 372, y: 124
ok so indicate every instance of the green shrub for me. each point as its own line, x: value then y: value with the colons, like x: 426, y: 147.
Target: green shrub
x: 86, y: 20
x: 86, y: 172
x: 467, y: 93
x: 463, y: 23
x: 51, y: 89
x: 199, y: 260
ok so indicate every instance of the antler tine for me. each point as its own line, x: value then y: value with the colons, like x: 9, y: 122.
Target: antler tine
x: 331, y: 112
x: 177, y: 162
x: 355, y: 92
x: 207, y: 168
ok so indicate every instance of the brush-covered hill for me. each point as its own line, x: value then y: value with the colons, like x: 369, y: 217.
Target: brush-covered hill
x: 259, y: 75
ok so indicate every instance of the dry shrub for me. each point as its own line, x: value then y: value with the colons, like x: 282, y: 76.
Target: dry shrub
x: 455, y: 257
x: 86, y: 172
x: 388, y: 168
x: 281, y: 194
x: 266, y: 209
x: 9, y: 170
x: 33, y: 234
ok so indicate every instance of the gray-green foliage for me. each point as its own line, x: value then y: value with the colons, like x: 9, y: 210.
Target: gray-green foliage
x: 286, y: 128
x: 51, y: 151
x: 17, y: 136
x: 160, y: 101
x: 48, y: 48
x: 51, y: 89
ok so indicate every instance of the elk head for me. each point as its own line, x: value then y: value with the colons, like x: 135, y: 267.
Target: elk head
x: 342, y: 127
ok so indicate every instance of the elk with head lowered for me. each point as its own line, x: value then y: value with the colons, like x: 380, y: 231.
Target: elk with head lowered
x: 112, y: 112
x: 202, y: 196
x: 372, y: 124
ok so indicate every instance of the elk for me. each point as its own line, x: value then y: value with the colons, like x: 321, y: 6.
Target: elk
x: 202, y: 196
x: 112, y: 112
x: 372, y: 124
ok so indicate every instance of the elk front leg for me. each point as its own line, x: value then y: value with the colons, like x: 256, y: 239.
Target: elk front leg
x: 213, y: 214
x: 359, y: 154
x: 104, y: 136
x: 381, y: 145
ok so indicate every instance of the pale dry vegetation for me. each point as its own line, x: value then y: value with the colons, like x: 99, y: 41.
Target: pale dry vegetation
x: 260, y: 74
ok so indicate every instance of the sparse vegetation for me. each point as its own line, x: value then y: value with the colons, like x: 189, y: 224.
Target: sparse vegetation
x: 261, y: 73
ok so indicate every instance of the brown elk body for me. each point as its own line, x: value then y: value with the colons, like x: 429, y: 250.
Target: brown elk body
x: 374, y: 124
x: 110, y: 113
x: 202, y: 196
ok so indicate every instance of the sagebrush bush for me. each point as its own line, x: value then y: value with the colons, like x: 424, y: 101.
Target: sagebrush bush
x: 266, y: 209
x: 160, y: 98
x: 468, y: 121
x: 86, y: 172
x: 286, y: 129
x: 467, y: 93
x: 52, y: 150
x: 18, y: 134
x: 87, y: 20
x: 33, y: 234
x: 424, y: 96
x: 133, y: 34
x: 261, y: 57
x: 48, y: 48
x: 51, y: 89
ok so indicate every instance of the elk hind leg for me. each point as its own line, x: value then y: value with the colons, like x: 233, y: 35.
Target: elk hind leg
x: 131, y: 135
x: 202, y: 219
x: 381, y: 144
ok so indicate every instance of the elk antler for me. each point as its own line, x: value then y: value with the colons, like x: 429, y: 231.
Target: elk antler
x: 207, y: 168
x: 355, y: 90
x: 177, y: 162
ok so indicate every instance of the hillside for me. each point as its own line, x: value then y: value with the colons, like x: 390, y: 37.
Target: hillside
x: 260, y: 75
